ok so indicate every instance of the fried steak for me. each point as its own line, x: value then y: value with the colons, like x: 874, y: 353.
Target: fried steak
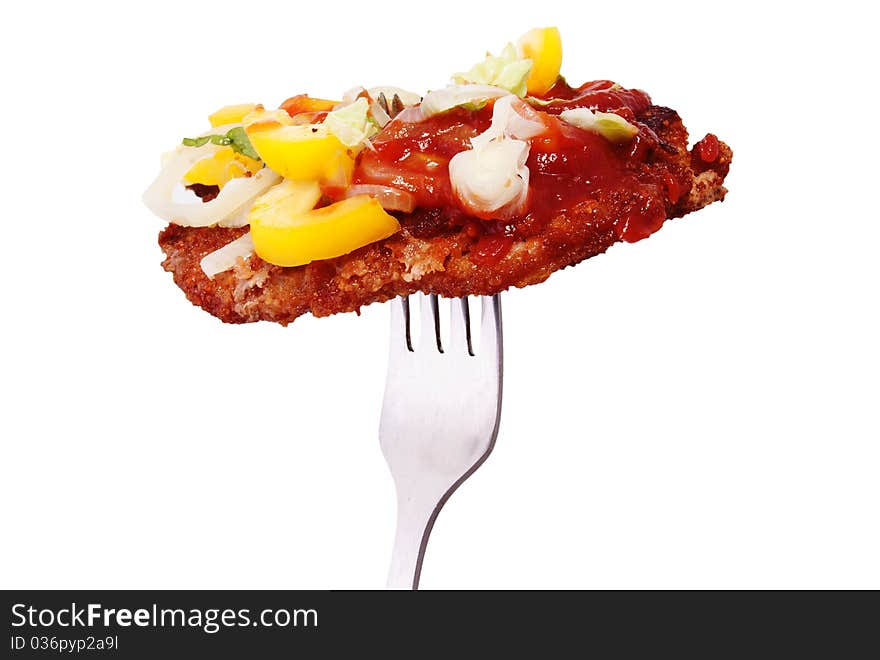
x: 444, y: 252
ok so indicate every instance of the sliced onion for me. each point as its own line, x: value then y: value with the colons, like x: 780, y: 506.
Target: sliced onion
x: 222, y: 210
x: 226, y: 257
x: 239, y: 218
x: 410, y: 115
x: 524, y: 122
x: 409, y: 99
x: 378, y: 113
x: 391, y: 199
x: 511, y: 118
x: 492, y: 179
x: 455, y: 95
x: 406, y: 97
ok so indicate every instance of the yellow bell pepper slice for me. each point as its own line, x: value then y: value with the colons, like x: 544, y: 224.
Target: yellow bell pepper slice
x: 230, y: 114
x: 544, y: 47
x: 222, y: 167
x: 287, y: 232
x: 302, y: 152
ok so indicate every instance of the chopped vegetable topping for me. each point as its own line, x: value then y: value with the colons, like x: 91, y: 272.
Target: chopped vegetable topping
x: 222, y: 167
x: 406, y: 97
x: 226, y: 257
x: 225, y: 209
x: 287, y: 231
x: 612, y: 127
x: 234, y: 137
x: 303, y: 152
x: 507, y: 70
x: 543, y: 46
x: 351, y: 123
x: 492, y: 179
x: 437, y: 152
x: 470, y: 96
x: 305, y: 103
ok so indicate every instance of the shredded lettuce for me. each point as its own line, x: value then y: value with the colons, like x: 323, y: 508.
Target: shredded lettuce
x: 469, y: 96
x: 202, y: 141
x: 506, y: 71
x: 612, y: 127
x: 534, y: 100
x: 234, y: 137
x: 351, y: 123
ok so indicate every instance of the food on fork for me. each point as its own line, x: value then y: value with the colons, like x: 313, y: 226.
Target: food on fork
x: 497, y: 180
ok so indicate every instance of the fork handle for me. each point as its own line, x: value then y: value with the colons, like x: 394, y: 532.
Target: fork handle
x: 415, y: 518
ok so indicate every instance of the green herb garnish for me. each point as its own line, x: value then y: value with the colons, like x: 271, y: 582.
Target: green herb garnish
x: 235, y: 138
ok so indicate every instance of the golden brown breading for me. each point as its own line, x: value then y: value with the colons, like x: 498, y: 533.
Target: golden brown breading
x: 430, y: 256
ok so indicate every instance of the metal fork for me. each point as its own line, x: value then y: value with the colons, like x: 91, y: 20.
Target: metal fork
x: 439, y: 417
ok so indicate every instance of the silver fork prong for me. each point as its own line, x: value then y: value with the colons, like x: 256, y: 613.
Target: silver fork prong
x: 401, y: 335
x: 440, y: 417
x: 460, y: 325
x: 430, y: 330
x: 490, y: 330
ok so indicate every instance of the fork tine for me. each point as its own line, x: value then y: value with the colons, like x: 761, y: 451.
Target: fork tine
x: 430, y: 329
x: 490, y: 330
x: 460, y: 326
x: 401, y: 337
x: 439, y: 422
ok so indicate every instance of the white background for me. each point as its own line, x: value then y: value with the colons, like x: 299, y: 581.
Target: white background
x: 697, y: 410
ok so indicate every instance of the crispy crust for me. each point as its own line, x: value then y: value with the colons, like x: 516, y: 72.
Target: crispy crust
x: 413, y: 260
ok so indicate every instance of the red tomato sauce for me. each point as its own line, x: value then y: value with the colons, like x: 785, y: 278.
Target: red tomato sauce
x: 567, y: 165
